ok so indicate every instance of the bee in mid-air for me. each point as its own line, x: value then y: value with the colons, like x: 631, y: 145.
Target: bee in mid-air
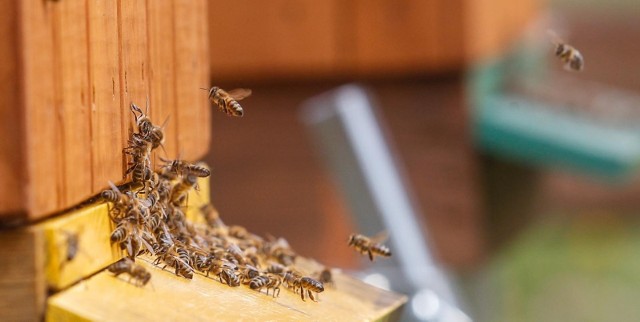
x: 571, y: 57
x: 137, y: 272
x: 371, y: 246
x: 228, y: 101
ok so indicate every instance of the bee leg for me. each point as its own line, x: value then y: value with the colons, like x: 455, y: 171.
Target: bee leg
x: 302, y: 295
x: 311, y: 295
x: 274, y: 292
x: 370, y: 255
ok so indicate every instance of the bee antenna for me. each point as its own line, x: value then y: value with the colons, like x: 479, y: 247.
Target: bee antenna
x: 206, y: 89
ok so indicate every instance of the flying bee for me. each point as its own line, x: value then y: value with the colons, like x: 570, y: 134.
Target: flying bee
x: 137, y: 272
x: 227, y: 102
x: 181, y: 167
x: 370, y: 246
x: 570, y: 56
x: 268, y: 281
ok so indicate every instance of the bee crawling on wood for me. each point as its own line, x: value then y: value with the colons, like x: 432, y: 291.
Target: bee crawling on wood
x: 571, y: 57
x: 303, y: 283
x: 228, y: 101
x: 135, y: 271
x: 370, y: 246
x: 268, y: 281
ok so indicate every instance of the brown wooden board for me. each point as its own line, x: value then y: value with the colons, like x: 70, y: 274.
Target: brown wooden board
x: 71, y: 69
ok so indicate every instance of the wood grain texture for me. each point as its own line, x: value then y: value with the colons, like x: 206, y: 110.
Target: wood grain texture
x: 190, y: 66
x: 71, y: 70
x: 72, y: 95
x: 106, y: 111
x: 104, y: 297
x: 42, y: 130
x: 161, y: 72
x: 11, y: 151
x: 134, y: 80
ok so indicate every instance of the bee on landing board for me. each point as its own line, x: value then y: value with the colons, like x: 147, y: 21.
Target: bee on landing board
x: 137, y: 272
x: 370, y: 246
x: 570, y: 56
x: 228, y: 101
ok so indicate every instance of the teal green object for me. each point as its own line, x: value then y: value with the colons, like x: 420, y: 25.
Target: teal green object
x: 521, y: 129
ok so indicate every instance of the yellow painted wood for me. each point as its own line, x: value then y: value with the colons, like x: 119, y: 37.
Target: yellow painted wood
x: 92, y: 227
x: 104, y: 297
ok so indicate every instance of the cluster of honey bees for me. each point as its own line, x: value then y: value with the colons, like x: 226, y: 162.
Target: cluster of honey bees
x: 150, y: 219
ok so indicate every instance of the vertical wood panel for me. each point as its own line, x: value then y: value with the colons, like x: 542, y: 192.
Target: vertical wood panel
x: 395, y: 36
x: 161, y: 71
x: 106, y: 111
x: 134, y: 80
x: 11, y: 126
x: 72, y: 99
x: 44, y: 185
x: 277, y: 37
x: 188, y: 71
x: 203, y: 79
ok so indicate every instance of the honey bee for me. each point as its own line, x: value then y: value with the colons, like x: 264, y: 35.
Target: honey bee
x: 181, y: 167
x: 268, y: 281
x: 177, y: 258
x: 137, y: 272
x: 570, y: 56
x: 276, y: 268
x: 311, y: 285
x: 227, y: 102
x: 370, y: 246
x: 248, y: 273
x: 235, y: 254
x: 300, y: 284
x: 181, y: 189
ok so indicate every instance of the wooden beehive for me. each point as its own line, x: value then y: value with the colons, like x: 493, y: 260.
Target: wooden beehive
x: 69, y: 71
x: 334, y: 38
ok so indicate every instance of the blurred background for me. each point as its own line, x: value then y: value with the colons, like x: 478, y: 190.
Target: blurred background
x: 524, y: 174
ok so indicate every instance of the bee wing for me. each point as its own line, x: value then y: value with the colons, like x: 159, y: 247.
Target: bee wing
x: 553, y: 36
x: 239, y: 93
x: 380, y: 237
x: 113, y: 187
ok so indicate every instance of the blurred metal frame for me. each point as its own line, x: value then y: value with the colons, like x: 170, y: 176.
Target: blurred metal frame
x: 345, y: 124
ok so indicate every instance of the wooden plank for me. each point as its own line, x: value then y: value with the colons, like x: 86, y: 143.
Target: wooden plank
x: 190, y: 76
x: 12, y: 172
x: 396, y: 37
x: 167, y: 297
x: 278, y: 38
x: 106, y: 112
x: 22, y: 288
x: 203, y: 78
x: 42, y: 128
x: 71, y: 70
x: 161, y: 72
x: 133, y: 45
